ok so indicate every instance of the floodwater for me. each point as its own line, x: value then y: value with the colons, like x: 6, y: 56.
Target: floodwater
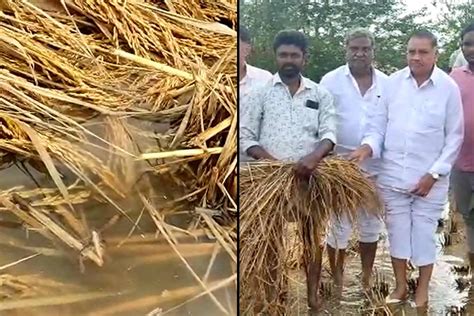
x: 449, y: 293
x: 142, y: 276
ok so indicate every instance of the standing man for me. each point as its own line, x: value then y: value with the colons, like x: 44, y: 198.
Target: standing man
x: 357, y: 88
x: 462, y: 177
x: 418, y: 131
x: 293, y: 119
x: 250, y: 77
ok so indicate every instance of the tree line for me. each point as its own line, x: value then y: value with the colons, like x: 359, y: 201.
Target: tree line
x: 326, y: 22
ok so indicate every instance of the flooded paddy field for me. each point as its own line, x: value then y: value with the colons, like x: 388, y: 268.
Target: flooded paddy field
x: 450, y: 292
x: 144, y: 272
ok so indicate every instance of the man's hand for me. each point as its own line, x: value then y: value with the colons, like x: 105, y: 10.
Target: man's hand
x: 306, y: 165
x: 361, y: 153
x: 259, y: 153
x: 424, y: 186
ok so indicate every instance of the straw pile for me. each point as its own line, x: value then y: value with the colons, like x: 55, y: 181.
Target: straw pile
x: 67, y: 63
x: 272, y: 197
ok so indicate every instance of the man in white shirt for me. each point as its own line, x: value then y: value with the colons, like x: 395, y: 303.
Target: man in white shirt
x: 250, y: 77
x: 357, y: 88
x: 418, y: 132
x: 293, y: 119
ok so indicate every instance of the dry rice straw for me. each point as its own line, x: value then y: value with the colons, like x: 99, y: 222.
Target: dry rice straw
x: 271, y: 197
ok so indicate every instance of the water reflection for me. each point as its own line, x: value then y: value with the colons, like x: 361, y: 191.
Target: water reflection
x: 139, y: 277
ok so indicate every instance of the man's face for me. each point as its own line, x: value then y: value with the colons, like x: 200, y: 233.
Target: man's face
x: 244, y: 52
x: 421, y: 56
x: 290, y: 60
x: 359, y: 52
x: 468, y: 47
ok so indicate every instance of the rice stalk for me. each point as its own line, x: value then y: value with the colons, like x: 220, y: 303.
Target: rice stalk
x: 66, y: 62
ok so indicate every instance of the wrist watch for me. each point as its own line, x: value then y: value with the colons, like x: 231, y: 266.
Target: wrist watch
x: 434, y: 175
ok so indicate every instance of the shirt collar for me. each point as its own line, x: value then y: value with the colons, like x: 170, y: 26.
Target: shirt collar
x: 466, y: 68
x: 347, y: 72
x: 305, y: 83
x: 434, y: 77
x: 250, y: 73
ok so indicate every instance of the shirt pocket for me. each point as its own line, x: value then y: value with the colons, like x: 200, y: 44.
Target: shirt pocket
x: 308, y: 118
x: 431, y: 117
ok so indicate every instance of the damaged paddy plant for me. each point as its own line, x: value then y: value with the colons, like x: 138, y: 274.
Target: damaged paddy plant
x: 118, y: 153
x: 275, y: 210
x: 272, y: 198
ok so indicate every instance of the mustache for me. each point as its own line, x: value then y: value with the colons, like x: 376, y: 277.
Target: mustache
x: 289, y: 66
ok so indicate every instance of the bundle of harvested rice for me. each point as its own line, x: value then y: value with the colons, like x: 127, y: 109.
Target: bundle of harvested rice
x: 271, y: 197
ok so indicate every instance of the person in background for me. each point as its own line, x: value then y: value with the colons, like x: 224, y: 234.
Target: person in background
x: 291, y: 119
x: 357, y: 88
x: 462, y: 176
x: 418, y: 132
x: 250, y: 77
x: 456, y: 60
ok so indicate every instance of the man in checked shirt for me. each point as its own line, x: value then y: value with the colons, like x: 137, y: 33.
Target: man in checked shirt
x: 418, y: 132
x: 293, y: 119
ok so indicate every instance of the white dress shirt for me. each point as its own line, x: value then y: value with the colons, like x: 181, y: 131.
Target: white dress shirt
x: 283, y: 124
x: 353, y: 108
x: 254, y: 78
x: 417, y: 130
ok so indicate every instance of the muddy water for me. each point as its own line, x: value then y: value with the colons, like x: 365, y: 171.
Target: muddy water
x: 446, y: 296
x: 137, y: 278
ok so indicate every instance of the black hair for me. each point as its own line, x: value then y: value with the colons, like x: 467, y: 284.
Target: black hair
x: 467, y: 29
x: 291, y: 37
x: 244, y: 34
x: 427, y: 35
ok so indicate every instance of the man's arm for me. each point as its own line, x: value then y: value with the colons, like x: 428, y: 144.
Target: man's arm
x: 374, y: 136
x: 257, y: 152
x: 251, y: 114
x: 327, y: 124
x: 323, y: 148
x: 454, y: 134
x: 326, y: 132
x: 328, y: 121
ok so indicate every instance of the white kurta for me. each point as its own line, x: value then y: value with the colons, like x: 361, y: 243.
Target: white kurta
x: 415, y: 130
x: 352, y: 112
x: 254, y: 78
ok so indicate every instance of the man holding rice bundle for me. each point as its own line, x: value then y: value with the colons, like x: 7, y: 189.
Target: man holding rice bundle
x: 357, y: 88
x: 291, y: 119
x: 418, y: 131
